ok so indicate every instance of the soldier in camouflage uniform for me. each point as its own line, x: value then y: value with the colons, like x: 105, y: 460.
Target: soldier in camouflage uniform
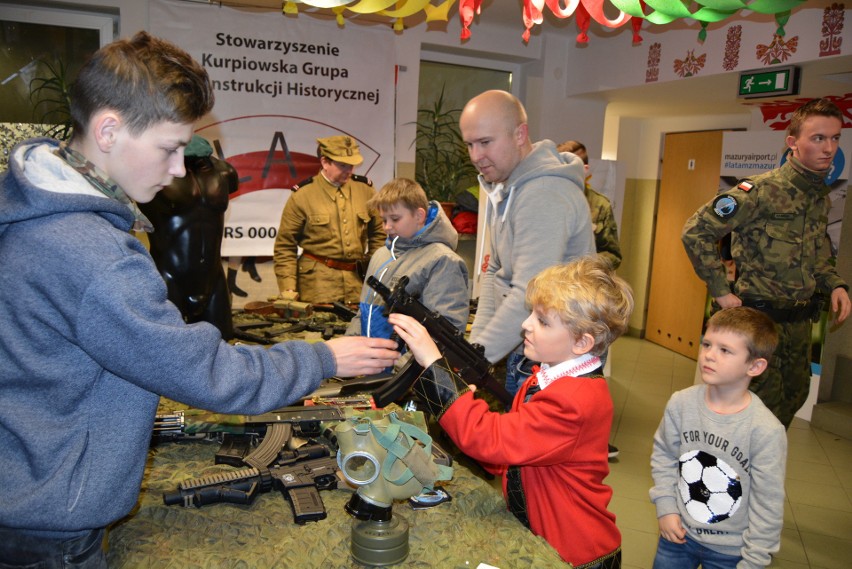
x: 603, y: 220
x: 603, y: 224
x: 777, y: 221
x: 327, y: 217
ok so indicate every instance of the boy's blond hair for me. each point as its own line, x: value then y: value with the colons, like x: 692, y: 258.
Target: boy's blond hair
x: 587, y: 296
x: 754, y: 326
x: 400, y: 191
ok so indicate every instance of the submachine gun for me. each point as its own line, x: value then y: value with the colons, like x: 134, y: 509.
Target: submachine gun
x: 468, y: 360
x: 299, y: 474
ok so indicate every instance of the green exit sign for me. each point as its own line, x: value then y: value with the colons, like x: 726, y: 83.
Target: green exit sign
x: 769, y: 82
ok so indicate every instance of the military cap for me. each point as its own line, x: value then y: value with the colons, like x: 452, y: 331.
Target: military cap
x: 198, y: 147
x: 340, y: 149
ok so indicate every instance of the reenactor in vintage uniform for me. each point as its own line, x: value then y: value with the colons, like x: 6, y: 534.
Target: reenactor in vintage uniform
x: 777, y: 221
x: 327, y: 217
x: 603, y: 220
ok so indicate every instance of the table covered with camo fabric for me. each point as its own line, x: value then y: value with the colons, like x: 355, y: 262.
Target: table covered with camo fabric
x: 473, y: 528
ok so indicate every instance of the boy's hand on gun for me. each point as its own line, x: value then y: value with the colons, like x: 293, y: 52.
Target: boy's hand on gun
x: 671, y: 529
x: 414, y: 334
x: 438, y: 388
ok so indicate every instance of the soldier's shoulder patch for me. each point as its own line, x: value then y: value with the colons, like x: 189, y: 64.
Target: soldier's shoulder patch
x: 362, y: 179
x: 745, y: 185
x: 304, y: 182
x: 725, y: 206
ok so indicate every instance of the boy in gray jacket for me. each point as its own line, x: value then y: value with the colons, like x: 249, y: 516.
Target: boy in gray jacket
x: 719, y: 455
x: 420, y: 245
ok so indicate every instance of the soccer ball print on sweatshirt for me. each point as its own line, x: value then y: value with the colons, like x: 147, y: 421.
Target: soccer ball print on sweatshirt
x: 709, y: 487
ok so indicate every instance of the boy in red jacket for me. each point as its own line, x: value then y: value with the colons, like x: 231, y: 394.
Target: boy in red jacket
x: 551, y: 447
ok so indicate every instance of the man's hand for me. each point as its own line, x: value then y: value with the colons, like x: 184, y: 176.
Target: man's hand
x: 289, y: 295
x: 358, y: 355
x: 671, y: 528
x: 729, y: 300
x: 840, y: 304
x: 414, y: 334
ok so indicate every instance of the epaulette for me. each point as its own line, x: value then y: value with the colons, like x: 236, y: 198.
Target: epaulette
x: 745, y: 185
x: 362, y: 179
x: 304, y: 182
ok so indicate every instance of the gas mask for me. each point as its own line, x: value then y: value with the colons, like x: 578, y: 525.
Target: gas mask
x: 387, y: 459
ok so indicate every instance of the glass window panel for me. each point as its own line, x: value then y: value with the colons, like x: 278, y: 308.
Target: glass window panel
x: 29, y: 51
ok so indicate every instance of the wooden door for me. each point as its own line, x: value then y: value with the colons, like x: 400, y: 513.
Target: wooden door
x: 677, y: 297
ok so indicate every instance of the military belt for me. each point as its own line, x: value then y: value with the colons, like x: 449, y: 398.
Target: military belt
x: 333, y: 263
x: 799, y: 312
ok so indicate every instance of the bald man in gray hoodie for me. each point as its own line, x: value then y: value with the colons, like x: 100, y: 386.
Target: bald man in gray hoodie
x: 536, y: 214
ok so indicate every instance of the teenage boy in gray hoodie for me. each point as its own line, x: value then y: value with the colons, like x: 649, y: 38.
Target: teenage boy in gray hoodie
x: 536, y: 214
x: 90, y: 340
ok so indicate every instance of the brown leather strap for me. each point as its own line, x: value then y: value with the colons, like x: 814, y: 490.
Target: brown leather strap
x: 333, y: 263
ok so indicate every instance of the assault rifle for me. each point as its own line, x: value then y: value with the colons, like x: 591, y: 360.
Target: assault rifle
x: 468, y: 360
x: 299, y: 482
x: 298, y: 474
x: 265, y: 332
x: 275, y: 427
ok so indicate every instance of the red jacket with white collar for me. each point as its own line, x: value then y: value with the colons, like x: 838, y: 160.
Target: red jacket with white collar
x: 558, y: 439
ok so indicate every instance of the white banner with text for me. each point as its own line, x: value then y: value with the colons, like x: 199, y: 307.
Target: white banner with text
x: 280, y: 83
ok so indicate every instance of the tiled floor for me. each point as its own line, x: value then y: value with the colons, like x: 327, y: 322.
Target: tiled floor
x: 818, y: 514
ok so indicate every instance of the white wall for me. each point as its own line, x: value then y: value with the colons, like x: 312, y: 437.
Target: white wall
x: 645, y: 151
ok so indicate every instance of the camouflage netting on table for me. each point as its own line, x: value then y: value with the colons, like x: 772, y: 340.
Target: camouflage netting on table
x: 473, y: 528
x: 13, y: 133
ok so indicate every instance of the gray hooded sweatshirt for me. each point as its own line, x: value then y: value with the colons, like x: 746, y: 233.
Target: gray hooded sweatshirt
x: 537, y: 218
x: 89, y: 341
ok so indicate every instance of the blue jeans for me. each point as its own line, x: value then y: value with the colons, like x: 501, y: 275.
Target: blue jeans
x: 19, y: 549
x: 518, y: 369
x: 690, y: 555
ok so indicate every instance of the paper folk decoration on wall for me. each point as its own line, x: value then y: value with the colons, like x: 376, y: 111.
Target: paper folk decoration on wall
x: 778, y: 49
x: 658, y: 12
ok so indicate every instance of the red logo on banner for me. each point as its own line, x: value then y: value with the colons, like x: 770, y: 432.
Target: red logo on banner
x: 262, y: 170
x: 777, y: 114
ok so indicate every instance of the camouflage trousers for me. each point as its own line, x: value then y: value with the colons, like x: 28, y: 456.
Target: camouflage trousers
x: 784, y: 386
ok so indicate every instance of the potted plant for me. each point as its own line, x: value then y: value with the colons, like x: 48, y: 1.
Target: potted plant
x: 51, y: 111
x: 51, y: 101
x: 442, y: 164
